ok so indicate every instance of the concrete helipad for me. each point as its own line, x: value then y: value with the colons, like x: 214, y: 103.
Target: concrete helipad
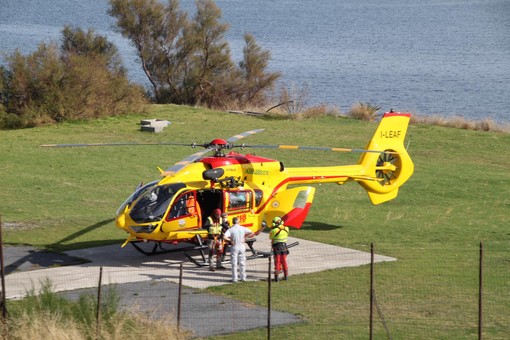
x: 126, y: 265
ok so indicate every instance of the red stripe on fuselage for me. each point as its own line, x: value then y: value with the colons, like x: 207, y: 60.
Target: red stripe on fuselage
x: 289, y: 180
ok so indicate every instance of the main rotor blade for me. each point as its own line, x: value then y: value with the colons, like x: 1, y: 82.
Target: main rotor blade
x: 244, y: 134
x: 315, y: 148
x: 113, y: 144
x: 190, y: 159
x: 179, y: 165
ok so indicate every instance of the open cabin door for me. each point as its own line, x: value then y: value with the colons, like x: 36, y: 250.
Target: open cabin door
x: 292, y: 205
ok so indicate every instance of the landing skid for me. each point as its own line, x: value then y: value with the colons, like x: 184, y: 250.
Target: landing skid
x: 255, y: 254
x: 158, y: 248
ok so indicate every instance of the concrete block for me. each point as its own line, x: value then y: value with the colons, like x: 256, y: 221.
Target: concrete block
x: 149, y: 128
x: 153, y: 125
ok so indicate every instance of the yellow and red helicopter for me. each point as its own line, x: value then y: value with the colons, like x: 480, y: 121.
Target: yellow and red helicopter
x: 255, y: 189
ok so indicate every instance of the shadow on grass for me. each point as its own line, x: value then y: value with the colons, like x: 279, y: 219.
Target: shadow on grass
x: 320, y: 226
x: 22, y: 257
x: 27, y: 258
x: 62, y: 245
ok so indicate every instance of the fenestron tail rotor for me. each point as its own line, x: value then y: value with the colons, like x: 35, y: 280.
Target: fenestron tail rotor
x: 388, y: 167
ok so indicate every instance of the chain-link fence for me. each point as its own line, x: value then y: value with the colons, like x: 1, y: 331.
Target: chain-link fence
x: 430, y: 292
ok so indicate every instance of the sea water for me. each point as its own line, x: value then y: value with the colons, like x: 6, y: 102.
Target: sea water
x: 444, y: 57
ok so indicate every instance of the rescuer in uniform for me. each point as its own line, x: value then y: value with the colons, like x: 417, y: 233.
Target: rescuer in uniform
x: 278, y: 235
x: 237, y: 235
x: 213, y: 224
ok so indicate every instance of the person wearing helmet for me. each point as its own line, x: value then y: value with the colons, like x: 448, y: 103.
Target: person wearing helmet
x: 214, y: 239
x: 278, y: 236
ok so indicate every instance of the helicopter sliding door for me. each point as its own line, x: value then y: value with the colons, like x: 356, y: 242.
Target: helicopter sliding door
x: 291, y: 205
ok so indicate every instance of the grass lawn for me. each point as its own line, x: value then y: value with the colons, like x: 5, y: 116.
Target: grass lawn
x: 459, y: 196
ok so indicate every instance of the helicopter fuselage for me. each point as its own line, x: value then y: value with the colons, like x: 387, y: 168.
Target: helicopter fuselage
x: 252, y: 188
x: 257, y: 189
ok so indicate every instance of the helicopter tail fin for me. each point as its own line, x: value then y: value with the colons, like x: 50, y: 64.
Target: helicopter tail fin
x: 393, y: 166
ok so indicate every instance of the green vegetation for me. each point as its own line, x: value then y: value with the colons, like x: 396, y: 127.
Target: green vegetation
x: 459, y: 196
x: 187, y: 61
x: 364, y: 111
x: 46, y: 312
x: 84, y: 78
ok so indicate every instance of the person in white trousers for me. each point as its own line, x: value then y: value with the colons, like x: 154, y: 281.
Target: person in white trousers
x: 236, y: 235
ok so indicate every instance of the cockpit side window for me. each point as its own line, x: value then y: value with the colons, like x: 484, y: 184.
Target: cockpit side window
x: 184, y: 205
x: 259, y: 194
x: 153, y: 203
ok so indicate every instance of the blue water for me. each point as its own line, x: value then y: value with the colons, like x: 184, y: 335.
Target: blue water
x: 445, y: 57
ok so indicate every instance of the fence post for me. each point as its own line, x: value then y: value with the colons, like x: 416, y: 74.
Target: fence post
x: 179, y: 299
x: 2, y: 274
x: 269, y: 299
x: 4, y: 330
x: 98, y: 311
x: 480, y: 294
x: 371, y: 329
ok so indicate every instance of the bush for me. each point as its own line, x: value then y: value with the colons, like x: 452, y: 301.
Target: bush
x: 48, y: 313
x: 187, y: 61
x: 84, y: 79
x: 363, y: 111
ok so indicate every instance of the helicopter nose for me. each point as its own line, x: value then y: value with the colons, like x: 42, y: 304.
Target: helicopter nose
x: 120, y: 221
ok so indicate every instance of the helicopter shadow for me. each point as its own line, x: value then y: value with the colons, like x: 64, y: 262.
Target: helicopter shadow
x: 23, y: 258
x: 57, y: 246
x: 320, y: 226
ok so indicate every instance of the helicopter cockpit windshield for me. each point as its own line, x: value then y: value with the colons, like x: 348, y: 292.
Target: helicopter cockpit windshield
x: 153, y: 202
x: 134, y: 196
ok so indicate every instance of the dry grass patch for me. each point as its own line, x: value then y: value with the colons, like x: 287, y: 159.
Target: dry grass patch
x: 57, y: 327
x: 459, y: 122
x: 363, y: 111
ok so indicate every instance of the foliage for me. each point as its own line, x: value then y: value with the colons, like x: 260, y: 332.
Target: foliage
x: 363, y: 111
x: 459, y: 122
x: 253, y: 67
x: 82, y: 312
x: 49, y: 313
x: 84, y: 79
x: 187, y: 61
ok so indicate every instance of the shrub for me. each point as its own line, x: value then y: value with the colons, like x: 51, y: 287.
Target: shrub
x: 459, y: 122
x: 48, y: 313
x: 187, y: 61
x: 84, y: 79
x: 363, y: 111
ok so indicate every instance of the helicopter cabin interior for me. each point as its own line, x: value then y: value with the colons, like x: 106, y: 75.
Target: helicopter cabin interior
x: 202, y: 203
